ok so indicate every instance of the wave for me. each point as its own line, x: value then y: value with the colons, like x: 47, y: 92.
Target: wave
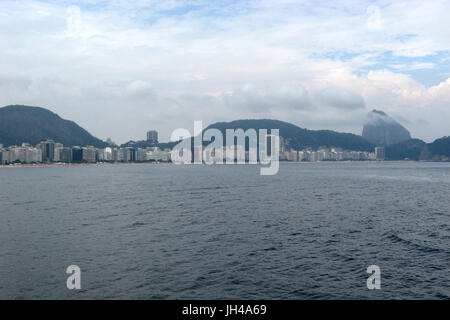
x: 417, y: 244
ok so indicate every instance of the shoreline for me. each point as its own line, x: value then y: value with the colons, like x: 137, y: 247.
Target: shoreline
x: 102, y: 164
x: 97, y: 164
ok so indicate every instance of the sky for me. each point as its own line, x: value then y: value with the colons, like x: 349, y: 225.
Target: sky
x: 120, y: 68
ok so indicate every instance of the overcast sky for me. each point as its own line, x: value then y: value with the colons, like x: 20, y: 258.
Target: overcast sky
x: 120, y: 68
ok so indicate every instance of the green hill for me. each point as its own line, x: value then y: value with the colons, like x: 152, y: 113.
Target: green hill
x: 415, y: 149
x: 298, y: 138
x: 20, y: 124
x: 440, y: 147
x: 410, y: 149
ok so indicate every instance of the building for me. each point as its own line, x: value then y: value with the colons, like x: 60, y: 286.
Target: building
x: 128, y: 154
x: 19, y: 154
x: 380, y: 153
x: 77, y: 154
x: 58, y: 147
x: 303, y: 155
x: 121, y: 154
x: 141, y: 155
x: 152, y: 136
x: 48, y: 150
x: 161, y: 155
x: 33, y: 155
x: 105, y: 154
x: 65, y: 154
x: 2, y: 157
x: 6, y: 157
x: 89, y: 154
x: 115, y: 154
x: 289, y: 155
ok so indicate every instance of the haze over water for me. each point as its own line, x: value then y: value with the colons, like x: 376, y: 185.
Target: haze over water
x: 217, y: 232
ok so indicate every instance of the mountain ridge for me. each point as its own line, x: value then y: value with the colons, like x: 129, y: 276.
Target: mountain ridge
x: 416, y: 149
x: 299, y: 138
x: 32, y: 124
x: 294, y: 136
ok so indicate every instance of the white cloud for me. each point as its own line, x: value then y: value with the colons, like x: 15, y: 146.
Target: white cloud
x: 415, y: 66
x: 250, y: 98
x: 340, y: 98
x: 119, y: 68
x: 373, y: 22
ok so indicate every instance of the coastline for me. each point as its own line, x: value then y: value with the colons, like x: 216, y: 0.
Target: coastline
x: 97, y: 164
x: 102, y: 164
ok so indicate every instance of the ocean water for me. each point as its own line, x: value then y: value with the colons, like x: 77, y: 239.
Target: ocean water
x: 225, y: 232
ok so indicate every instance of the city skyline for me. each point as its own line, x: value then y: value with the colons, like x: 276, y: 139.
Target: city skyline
x: 163, y: 65
x: 380, y: 131
x: 50, y: 151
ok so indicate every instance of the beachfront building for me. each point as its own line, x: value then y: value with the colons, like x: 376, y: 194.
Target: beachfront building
x: 89, y: 154
x: 156, y: 154
x: 48, y: 150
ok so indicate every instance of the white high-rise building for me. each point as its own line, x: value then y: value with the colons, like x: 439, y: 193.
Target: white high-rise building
x: 89, y: 154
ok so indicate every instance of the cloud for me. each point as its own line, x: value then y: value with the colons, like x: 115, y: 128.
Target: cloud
x: 286, y: 97
x: 415, y: 66
x: 139, y: 88
x: 14, y: 83
x: 340, y: 98
x: 373, y: 22
x: 119, y: 68
x: 74, y: 23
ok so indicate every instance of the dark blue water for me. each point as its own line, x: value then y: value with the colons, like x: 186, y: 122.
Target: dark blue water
x: 208, y: 232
